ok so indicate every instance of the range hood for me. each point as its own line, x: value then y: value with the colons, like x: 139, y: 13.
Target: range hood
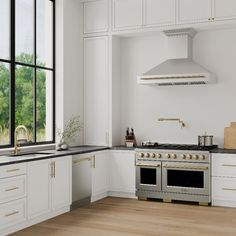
x: 179, y: 69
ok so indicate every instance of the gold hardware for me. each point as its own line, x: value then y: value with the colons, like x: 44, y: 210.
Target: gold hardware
x: 186, y: 167
x: 16, y: 144
x: 209, y: 18
x: 225, y: 165
x: 148, y: 165
x: 203, y: 203
x: 54, y: 169
x: 13, y: 170
x: 181, y: 122
x: 11, y: 214
x: 11, y: 189
x: 81, y: 160
x: 213, y: 18
x: 229, y: 189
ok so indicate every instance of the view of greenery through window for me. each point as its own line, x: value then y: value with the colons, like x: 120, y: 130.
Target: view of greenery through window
x: 24, y: 100
x: 27, y: 70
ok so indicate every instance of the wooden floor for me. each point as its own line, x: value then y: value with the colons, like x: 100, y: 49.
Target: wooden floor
x: 116, y: 217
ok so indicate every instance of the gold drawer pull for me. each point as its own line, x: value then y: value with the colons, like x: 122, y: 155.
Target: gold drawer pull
x: 11, y: 189
x: 229, y: 189
x: 225, y: 165
x: 81, y: 160
x: 12, y: 170
x: 11, y: 214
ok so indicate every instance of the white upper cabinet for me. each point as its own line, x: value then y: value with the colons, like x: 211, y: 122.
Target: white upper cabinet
x: 127, y: 14
x: 224, y: 9
x: 159, y: 12
x: 96, y: 16
x: 96, y: 79
x: 194, y: 11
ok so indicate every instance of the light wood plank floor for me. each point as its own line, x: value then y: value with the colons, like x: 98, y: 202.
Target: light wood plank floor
x: 129, y: 217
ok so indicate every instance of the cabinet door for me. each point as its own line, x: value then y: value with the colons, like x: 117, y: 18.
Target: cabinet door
x: 100, y: 182
x: 194, y: 11
x: 122, y: 171
x: 127, y: 14
x: 39, y: 188
x: 224, y: 9
x: 61, y: 182
x: 96, y: 16
x: 96, y: 90
x: 159, y: 12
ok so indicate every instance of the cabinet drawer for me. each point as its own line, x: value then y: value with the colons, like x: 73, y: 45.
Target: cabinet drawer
x: 12, y: 213
x: 12, y: 188
x: 224, y: 165
x: 12, y: 170
x: 224, y: 189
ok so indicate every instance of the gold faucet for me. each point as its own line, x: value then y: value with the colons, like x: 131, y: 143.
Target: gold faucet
x: 16, y: 144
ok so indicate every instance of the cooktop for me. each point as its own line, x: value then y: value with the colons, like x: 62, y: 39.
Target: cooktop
x: 168, y: 146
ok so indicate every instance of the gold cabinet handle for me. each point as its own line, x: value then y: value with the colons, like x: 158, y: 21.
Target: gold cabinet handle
x: 187, y: 167
x: 11, y: 189
x: 82, y: 160
x: 12, y: 170
x: 226, y: 165
x: 148, y: 165
x: 94, y: 161
x: 11, y: 214
x: 229, y: 189
x: 54, y: 169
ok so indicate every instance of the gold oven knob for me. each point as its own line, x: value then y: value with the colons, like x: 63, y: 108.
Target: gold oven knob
x: 202, y: 157
x: 174, y: 156
x: 188, y: 157
x: 183, y: 156
x: 147, y: 154
x: 152, y: 155
x: 168, y: 156
x: 158, y: 155
x: 141, y: 154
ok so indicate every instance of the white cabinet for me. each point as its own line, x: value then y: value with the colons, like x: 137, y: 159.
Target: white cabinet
x: 127, y: 14
x: 194, y: 11
x: 62, y: 183
x: 49, y: 185
x: 100, y: 178
x: 122, y: 172
x: 224, y: 180
x: 159, y: 12
x: 224, y: 9
x: 96, y: 81
x: 96, y: 16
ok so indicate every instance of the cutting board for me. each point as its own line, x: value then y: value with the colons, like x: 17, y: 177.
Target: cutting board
x: 230, y: 137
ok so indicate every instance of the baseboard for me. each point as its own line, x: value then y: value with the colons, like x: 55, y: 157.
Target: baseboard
x: 34, y: 221
x: 224, y: 203
x: 99, y: 197
x: 121, y: 194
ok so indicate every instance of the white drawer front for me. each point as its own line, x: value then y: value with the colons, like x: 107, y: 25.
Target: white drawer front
x: 224, y: 165
x: 12, y: 213
x: 224, y: 189
x: 12, y: 188
x: 12, y: 170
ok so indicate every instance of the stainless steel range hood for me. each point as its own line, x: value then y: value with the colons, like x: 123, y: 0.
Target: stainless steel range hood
x: 179, y: 69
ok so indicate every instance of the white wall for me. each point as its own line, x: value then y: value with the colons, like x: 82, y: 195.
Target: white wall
x: 69, y: 63
x: 207, y: 108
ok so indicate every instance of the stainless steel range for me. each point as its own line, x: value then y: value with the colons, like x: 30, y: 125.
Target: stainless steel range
x: 174, y: 172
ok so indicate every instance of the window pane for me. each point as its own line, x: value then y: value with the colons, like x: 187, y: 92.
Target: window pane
x: 25, y: 31
x: 44, y: 32
x: 5, y: 29
x: 4, y: 104
x: 24, y: 104
x: 44, y: 96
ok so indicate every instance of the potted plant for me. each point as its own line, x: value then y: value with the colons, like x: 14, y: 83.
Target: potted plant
x: 71, y: 129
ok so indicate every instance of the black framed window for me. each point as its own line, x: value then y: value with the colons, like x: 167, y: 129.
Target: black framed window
x: 27, y: 70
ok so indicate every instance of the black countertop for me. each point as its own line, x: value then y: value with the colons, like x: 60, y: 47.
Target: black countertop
x: 224, y: 151
x: 6, y: 160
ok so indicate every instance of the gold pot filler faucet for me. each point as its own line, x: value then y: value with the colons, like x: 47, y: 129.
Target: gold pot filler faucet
x: 16, y: 143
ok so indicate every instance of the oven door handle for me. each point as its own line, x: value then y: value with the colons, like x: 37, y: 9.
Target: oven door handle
x: 187, y: 167
x: 148, y: 165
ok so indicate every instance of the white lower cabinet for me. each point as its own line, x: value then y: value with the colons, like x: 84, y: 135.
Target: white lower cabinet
x: 49, y: 185
x: 122, y: 173
x: 100, y: 178
x: 224, y: 180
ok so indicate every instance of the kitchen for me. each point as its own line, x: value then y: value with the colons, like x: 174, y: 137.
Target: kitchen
x: 101, y: 49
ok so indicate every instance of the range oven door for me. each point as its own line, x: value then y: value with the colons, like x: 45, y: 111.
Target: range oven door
x: 188, y: 178
x: 148, y: 175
